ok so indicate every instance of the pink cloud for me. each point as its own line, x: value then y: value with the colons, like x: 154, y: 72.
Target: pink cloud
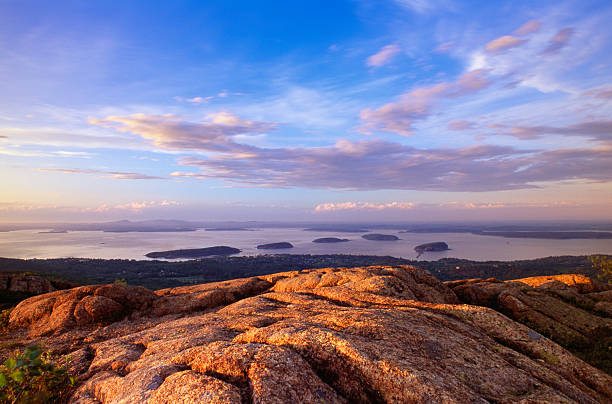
x: 331, y: 207
x: 594, y: 130
x: 503, y: 43
x: 108, y: 174
x: 398, y: 117
x: 383, y: 56
x: 445, y: 46
x: 376, y: 164
x: 558, y: 41
x: 460, y: 124
x: 135, y: 207
x: 604, y: 92
x: 528, y: 28
x: 169, y: 131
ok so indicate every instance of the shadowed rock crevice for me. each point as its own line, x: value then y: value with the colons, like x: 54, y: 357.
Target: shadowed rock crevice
x: 325, y: 298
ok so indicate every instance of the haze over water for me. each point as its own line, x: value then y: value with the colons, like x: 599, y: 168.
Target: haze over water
x: 134, y: 245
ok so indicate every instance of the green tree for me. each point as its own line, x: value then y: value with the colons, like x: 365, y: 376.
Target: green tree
x: 604, y: 264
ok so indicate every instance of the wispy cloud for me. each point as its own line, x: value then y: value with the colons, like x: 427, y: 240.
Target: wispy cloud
x: 594, y: 130
x: 559, y: 41
x: 108, y: 174
x: 529, y: 27
x: 604, y: 92
x: 445, y: 46
x: 399, y: 116
x: 460, y: 124
x: 378, y: 164
x: 204, y: 100
x: 504, y: 43
x: 420, y: 206
x: 425, y: 6
x: 331, y: 207
x: 135, y: 207
x: 383, y: 56
x: 169, y: 131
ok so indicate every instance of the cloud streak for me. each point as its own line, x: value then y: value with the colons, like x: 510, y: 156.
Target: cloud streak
x: 399, y: 116
x: 383, y: 56
x: 595, y: 130
x: 371, y: 164
x: 504, y: 43
x: 529, y: 27
x: 332, y: 207
x: 170, y: 132
x: 559, y: 41
x: 108, y: 174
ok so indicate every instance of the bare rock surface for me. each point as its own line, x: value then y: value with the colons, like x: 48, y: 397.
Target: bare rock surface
x: 25, y: 283
x: 60, y: 311
x: 335, y: 335
x: 572, y: 310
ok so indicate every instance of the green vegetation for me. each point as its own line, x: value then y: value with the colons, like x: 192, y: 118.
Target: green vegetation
x: 604, y: 264
x: 165, y: 274
x: 548, y: 357
x: 32, y: 377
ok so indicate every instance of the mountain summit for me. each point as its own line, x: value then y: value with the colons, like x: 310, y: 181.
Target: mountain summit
x: 335, y: 335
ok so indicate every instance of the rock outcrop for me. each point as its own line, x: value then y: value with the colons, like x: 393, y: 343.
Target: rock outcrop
x: 572, y: 310
x: 361, y: 335
x: 29, y: 284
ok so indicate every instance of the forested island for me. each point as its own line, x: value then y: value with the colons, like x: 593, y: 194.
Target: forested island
x: 275, y: 246
x: 435, y: 246
x: 380, y: 237
x: 194, y: 252
x: 330, y: 240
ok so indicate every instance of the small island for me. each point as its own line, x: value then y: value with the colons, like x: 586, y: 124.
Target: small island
x: 380, y: 237
x: 435, y: 246
x: 274, y: 246
x: 330, y: 240
x: 194, y: 252
x: 53, y: 232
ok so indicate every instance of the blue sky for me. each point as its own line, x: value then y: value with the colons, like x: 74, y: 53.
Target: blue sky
x: 335, y: 110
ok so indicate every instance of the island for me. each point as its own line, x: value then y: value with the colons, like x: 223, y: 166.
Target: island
x: 435, y: 246
x: 330, y: 240
x: 53, y: 232
x: 221, y: 250
x: 380, y: 237
x: 274, y: 246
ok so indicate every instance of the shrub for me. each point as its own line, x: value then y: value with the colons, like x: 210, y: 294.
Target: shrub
x: 32, y: 377
x: 604, y: 264
x: 4, y: 320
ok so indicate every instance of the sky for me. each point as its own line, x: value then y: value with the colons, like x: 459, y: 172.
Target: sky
x: 361, y: 110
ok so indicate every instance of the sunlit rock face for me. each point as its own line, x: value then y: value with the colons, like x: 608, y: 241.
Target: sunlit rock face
x: 361, y: 335
x: 572, y: 310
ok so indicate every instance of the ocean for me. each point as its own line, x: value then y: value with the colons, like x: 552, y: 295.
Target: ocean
x: 134, y: 245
